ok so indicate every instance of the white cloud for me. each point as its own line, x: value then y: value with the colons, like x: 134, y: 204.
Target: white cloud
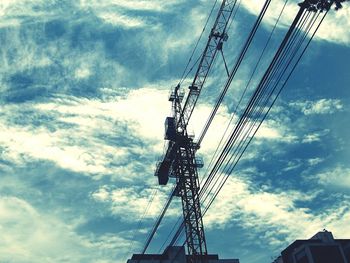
x: 75, y: 140
x: 338, y: 177
x: 132, y: 203
x: 315, y: 161
x: 276, y: 130
x: 322, y: 106
x: 82, y: 73
x: 25, y: 144
x: 28, y: 235
x: 15, y: 12
x: 335, y: 26
x: 291, y: 165
x: 121, y: 20
x: 314, y: 137
x: 272, y: 130
x: 101, y: 194
x: 118, y: 16
x: 275, y: 213
x: 75, y: 64
x: 146, y: 109
x: 311, y: 138
x: 216, y: 130
x: 143, y: 5
x: 255, y: 6
x: 268, y: 133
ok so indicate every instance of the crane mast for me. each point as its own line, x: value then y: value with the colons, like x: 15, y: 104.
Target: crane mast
x: 180, y: 161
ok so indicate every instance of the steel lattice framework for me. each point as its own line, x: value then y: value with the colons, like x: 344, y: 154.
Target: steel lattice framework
x: 216, y: 38
x: 179, y: 160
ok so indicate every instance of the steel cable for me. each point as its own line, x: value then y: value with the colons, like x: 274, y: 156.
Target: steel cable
x: 254, y: 98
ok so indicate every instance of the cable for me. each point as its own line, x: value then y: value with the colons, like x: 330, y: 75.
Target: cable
x: 247, y: 85
x: 259, y: 124
x: 149, y: 204
x: 260, y: 93
x: 274, y: 100
x: 232, y: 74
x: 160, y: 217
x: 247, y: 132
x: 235, y: 69
x: 176, y: 225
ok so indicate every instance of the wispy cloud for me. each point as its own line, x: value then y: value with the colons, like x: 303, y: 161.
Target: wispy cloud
x: 315, y: 161
x: 322, y: 106
x: 142, y: 203
x: 291, y: 165
x: 31, y: 235
x: 86, y: 135
x: 122, y: 20
x: 267, y: 212
x: 338, y: 177
x: 315, y: 137
x: 144, y: 5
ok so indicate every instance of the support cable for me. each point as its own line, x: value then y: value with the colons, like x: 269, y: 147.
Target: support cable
x: 139, y: 224
x: 241, y: 127
x: 255, y: 96
x: 157, y: 223
x: 218, y: 148
x: 254, y: 133
x: 232, y: 74
x: 274, y: 100
x: 224, y: 60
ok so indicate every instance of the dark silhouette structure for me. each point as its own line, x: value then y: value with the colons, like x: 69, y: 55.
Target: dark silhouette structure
x: 179, y: 161
x: 321, y: 248
x: 176, y: 254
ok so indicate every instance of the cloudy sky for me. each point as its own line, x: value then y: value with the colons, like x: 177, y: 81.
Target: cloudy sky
x: 84, y: 87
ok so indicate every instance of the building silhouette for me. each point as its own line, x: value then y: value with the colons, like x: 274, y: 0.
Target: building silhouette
x: 175, y: 254
x: 321, y: 248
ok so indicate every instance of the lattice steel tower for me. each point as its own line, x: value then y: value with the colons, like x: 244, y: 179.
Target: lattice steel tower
x: 179, y: 160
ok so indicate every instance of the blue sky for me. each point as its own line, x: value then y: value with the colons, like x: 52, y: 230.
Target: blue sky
x: 84, y: 88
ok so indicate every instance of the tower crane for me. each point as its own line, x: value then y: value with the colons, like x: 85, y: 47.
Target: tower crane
x: 179, y: 161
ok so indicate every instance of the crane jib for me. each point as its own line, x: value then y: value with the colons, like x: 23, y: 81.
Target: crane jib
x: 216, y: 38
